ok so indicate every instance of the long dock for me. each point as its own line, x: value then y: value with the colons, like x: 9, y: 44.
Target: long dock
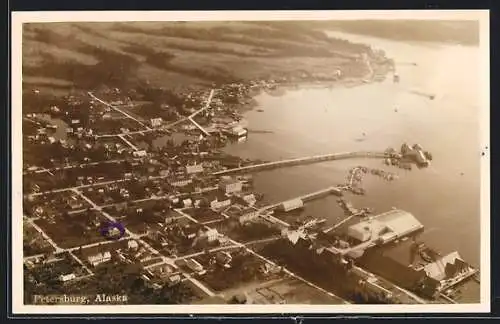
x: 321, y: 193
x: 328, y: 230
x: 266, y: 211
x: 301, y: 161
x: 307, y: 197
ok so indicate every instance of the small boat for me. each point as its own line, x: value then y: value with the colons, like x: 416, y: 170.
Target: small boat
x: 358, y: 191
x: 425, y: 256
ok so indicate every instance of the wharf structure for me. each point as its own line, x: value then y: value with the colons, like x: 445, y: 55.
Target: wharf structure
x: 378, y: 230
x: 449, y: 270
x: 298, y: 202
x: 414, y: 154
x: 236, y: 131
x: 385, y: 228
x: 301, y: 161
x: 344, y: 274
x: 429, y: 280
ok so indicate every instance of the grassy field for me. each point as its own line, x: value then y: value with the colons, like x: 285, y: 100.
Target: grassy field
x: 175, y: 55
x: 58, y: 57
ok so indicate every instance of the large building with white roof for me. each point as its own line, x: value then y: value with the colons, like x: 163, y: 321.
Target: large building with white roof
x: 385, y: 227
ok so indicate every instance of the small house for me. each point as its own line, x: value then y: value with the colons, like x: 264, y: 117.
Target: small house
x: 156, y: 122
x: 141, y: 153
x: 229, y: 186
x: 99, y: 258
x: 67, y: 277
x: 132, y: 245
x: 194, y: 169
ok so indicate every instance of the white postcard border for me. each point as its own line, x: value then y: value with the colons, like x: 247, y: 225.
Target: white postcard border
x: 18, y: 18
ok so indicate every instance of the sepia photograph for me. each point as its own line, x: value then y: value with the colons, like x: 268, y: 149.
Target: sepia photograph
x: 240, y: 162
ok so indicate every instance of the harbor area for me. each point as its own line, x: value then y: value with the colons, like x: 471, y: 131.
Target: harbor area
x: 414, y: 266
x: 381, y: 248
x: 384, y: 228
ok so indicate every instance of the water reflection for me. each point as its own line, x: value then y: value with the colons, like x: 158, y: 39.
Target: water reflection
x: 319, y: 121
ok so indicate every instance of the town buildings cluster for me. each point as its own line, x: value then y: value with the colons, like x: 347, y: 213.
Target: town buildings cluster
x: 103, y: 158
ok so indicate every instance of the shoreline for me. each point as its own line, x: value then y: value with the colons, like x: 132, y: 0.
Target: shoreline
x: 250, y: 103
x: 379, y: 74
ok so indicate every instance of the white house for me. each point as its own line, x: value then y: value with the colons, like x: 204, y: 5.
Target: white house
x: 187, y: 203
x: 194, y: 265
x: 220, y: 203
x: 248, y: 215
x: 174, y: 279
x: 67, y: 277
x: 250, y: 199
x: 212, y: 235
x: 181, y: 183
x: 99, y: 258
x: 133, y: 245
x: 156, y: 122
x: 231, y: 186
x: 193, y: 169
x: 141, y: 153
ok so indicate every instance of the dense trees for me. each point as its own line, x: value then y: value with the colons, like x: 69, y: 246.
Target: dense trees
x: 113, y: 279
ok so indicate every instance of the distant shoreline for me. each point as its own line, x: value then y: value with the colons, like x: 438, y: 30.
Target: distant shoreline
x: 348, y: 82
x: 464, y: 33
x: 74, y: 57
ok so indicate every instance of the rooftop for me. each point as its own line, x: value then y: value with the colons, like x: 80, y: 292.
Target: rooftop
x: 395, y: 223
x: 437, y: 269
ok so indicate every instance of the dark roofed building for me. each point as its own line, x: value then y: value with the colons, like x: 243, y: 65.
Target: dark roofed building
x: 453, y: 269
x: 447, y: 267
x: 403, y: 276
